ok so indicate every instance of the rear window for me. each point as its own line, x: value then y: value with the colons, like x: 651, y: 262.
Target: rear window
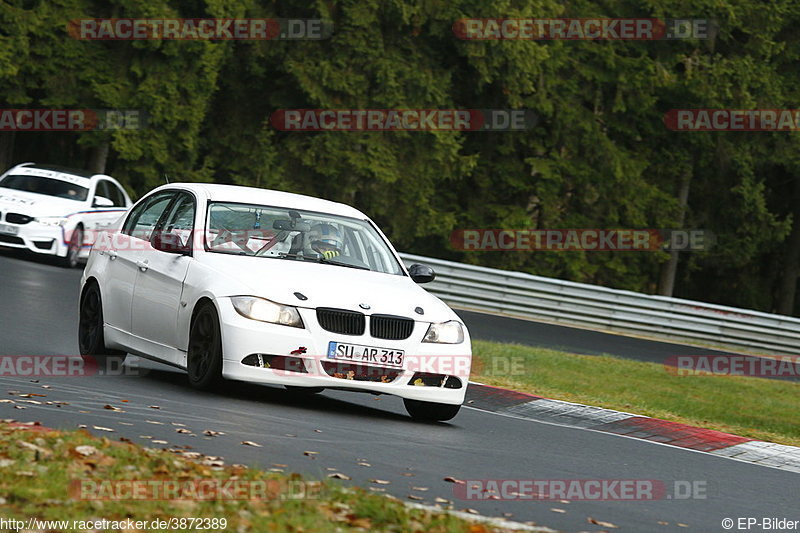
x: 45, y: 186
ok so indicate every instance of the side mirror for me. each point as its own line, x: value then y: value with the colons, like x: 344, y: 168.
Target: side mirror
x: 102, y: 201
x: 421, y: 273
x: 168, y: 242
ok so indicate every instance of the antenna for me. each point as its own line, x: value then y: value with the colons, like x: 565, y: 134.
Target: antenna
x: 166, y: 178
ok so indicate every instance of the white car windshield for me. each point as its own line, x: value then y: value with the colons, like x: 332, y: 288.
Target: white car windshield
x: 295, y: 234
x: 45, y: 186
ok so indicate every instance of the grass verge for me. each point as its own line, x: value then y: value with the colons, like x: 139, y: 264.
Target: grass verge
x: 55, y: 475
x: 763, y: 409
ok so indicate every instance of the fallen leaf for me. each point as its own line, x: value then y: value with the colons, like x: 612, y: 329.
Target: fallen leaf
x: 415, y: 497
x: 682, y: 525
x: 34, y: 402
x: 32, y: 394
x: 557, y: 510
x: 423, y: 489
x: 158, y: 441
x: 441, y: 500
x: 379, y: 481
x: 309, y: 454
x: 339, y: 475
x: 38, y: 449
x: 182, y: 430
x: 86, y: 450
x: 279, y: 465
x: 377, y: 489
x: 153, y: 407
x: 212, y: 433
x: 662, y: 523
x: 101, y: 428
x: 471, y: 511
x: 450, y: 479
x: 317, y: 431
x: 179, y: 425
x: 7, y: 401
x: 250, y: 443
x: 601, y: 523
x: 154, y: 422
x: 112, y: 408
x: 364, y: 464
x: 145, y: 436
x: 46, y: 386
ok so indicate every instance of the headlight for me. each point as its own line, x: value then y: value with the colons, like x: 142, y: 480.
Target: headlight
x: 266, y: 311
x: 51, y: 221
x: 445, y: 333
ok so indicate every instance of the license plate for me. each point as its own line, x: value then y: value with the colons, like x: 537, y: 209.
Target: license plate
x: 8, y: 230
x: 356, y: 353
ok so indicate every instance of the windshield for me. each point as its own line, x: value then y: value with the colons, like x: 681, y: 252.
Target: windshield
x: 297, y: 235
x: 47, y: 186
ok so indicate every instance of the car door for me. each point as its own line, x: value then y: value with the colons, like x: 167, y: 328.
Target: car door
x: 123, y: 252
x: 101, y: 217
x: 159, y: 283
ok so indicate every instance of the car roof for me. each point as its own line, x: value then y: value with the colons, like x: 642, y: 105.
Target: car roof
x: 56, y: 171
x: 253, y: 195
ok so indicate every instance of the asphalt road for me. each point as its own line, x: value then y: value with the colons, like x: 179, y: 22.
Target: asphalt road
x: 38, y: 303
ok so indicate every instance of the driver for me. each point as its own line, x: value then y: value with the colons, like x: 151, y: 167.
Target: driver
x: 323, y: 240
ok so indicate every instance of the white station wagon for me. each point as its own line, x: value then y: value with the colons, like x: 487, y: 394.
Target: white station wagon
x: 57, y: 211
x: 275, y: 288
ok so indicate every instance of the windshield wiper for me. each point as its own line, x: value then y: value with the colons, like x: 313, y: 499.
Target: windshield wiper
x: 321, y: 260
x: 337, y: 263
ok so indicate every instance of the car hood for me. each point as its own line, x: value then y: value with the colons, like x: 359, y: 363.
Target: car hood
x: 37, y: 204
x: 329, y: 286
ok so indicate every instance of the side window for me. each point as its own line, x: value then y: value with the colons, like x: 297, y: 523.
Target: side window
x: 112, y: 192
x: 144, y: 217
x: 180, y: 218
x: 101, y: 189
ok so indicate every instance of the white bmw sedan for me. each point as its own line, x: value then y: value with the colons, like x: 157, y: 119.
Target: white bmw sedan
x: 57, y: 211
x: 269, y: 287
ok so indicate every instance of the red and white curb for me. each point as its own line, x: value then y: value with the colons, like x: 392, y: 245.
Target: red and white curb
x: 532, y: 407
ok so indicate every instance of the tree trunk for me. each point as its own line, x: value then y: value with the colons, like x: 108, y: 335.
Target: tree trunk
x: 6, y: 150
x: 666, y: 282
x: 791, y: 266
x: 98, y: 158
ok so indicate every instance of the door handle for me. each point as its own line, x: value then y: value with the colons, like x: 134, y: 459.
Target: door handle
x: 143, y: 265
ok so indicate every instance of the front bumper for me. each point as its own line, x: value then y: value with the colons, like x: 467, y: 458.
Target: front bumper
x: 35, y: 237
x: 243, y: 338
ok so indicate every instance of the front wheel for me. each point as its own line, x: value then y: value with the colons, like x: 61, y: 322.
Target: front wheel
x: 91, y: 341
x: 430, y: 411
x: 73, y: 249
x: 204, y: 358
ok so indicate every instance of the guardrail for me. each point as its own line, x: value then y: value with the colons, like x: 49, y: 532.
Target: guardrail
x: 579, y: 304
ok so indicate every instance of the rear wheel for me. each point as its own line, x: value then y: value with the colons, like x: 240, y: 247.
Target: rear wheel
x: 73, y: 249
x: 431, y: 411
x: 91, y: 341
x: 204, y: 358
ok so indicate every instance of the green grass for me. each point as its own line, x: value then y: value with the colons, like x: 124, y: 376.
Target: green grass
x: 37, y: 467
x: 758, y: 408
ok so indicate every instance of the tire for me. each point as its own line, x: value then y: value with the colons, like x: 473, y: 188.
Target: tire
x: 91, y: 341
x: 73, y: 249
x: 204, y: 357
x: 305, y: 391
x: 430, y: 411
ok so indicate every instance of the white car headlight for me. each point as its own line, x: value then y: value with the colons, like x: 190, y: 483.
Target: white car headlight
x: 445, y: 333
x: 52, y: 221
x: 266, y: 311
